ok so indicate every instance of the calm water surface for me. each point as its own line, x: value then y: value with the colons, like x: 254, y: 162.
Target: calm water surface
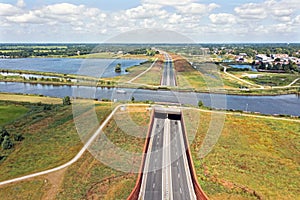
x: 282, y: 104
x: 90, y: 67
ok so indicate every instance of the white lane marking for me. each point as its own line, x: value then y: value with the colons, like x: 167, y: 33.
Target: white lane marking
x: 147, y: 164
x: 186, y: 166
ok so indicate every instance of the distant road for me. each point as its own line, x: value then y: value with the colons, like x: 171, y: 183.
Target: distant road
x: 168, y: 77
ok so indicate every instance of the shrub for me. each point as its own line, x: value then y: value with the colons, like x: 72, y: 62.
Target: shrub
x: 18, y: 137
x: 7, y: 144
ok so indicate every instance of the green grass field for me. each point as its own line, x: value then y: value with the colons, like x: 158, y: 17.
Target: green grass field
x: 257, y: 160
x: 9, y: 113
x: 252, y: 161
x: 51, y: 139
x: 153, y: 76
x: 135, y: 71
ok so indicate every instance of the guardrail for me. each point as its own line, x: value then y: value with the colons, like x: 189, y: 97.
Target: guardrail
x: 134, y: 195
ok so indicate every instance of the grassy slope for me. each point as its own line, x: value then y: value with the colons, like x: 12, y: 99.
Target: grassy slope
x: 258, y: 158
x: 153, y: 76
x: 50, y: 140
x: 134, y: 71
x: 99, y: 181
x: 9, y: 113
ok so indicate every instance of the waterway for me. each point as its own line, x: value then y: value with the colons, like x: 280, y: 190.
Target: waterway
x: 281, y: 104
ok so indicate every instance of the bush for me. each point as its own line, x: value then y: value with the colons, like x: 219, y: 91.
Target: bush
x: 118, y: 68
x: 200, y: 104
x: 7, y: 144
x: 18, y: 137
x: 3, y: 134
x: 66, y: 101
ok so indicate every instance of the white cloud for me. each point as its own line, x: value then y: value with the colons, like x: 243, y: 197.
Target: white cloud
x: 30, y: 17
x: 222, y: 18
x: 145, y: 11
x: 174, y: 18
x: 64, y: 9
x: 8, y: 10
x: 168, y: 2
x: 281, y: 28
x: 264, y: 19
x: 21, y: 3
x: 297, y: 20
x: 251, y: 11
x: 196, y: 8
x: 58, y: 13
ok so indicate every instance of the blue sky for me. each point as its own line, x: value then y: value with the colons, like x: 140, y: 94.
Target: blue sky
x: 102, y: 20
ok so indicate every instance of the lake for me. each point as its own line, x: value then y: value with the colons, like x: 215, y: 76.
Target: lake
x: 243, y: 67
x: 282, y: 104
x: 89, y: 67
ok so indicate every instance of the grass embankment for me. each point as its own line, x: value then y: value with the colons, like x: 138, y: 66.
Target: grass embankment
x: 50, y: 138
x: 135, y: 71
x: 59, y: 79
x: 200, y: 77
x: 254, y: 158
x: 153, y: 76
x: 29, y: 98
x: 98, y: 181
x: 187, y: 76
x: 87, y: 178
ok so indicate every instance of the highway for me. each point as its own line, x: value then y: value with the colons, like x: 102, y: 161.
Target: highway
x: 166, y: 173
x: 168, y: 76
x: 152, y: 187
x: 181, y: 177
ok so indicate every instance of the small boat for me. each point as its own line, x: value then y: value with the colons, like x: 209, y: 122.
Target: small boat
x: 121, y: 91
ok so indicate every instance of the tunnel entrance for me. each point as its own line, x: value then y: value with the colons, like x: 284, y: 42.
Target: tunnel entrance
x: 167, y: 116
x: 160, y: 115
x: 174, y: 116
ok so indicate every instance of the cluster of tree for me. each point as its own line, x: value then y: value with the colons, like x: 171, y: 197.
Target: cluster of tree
x: 43, y: 50
x: 144, y: 51
x: 233, y: 69
x: 290, y: 67
x: 252, y: 49
x: 5, y: 139
x: 118, y: 68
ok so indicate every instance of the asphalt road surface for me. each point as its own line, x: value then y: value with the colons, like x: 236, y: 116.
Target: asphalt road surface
x: 153, y: 188
x: 167, y: 173
x: 168, y: 77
